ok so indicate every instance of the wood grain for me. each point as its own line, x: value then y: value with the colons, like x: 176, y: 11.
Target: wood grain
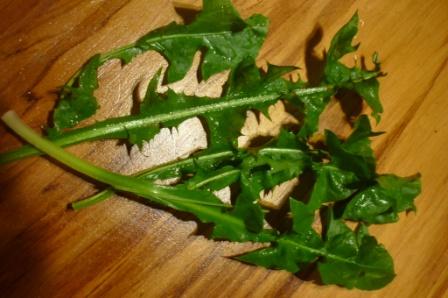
x: 123, y: 248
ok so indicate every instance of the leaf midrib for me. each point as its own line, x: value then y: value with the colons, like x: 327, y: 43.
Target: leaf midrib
x: 111, y: 127
x: 116, y: 125
x: 154, y: 171
x: 324, y: 253
x: 132, y: 122
x: 185, y: 35
x: 216, y: 177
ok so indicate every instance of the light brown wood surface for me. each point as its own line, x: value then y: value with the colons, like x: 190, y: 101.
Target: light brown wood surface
x: 122, y: 248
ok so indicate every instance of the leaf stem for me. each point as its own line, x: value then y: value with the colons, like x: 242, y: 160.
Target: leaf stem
x: 266, y: 151
x: 92, y: 200
x: 152, y: 174
x: 214, y: 178
x: 116, y: 180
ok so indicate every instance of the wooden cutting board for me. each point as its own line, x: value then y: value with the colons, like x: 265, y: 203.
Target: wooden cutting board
x: 123, y: 248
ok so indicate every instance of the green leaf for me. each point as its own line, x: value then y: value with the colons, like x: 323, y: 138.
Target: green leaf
x: 77, y: 101
x: 151, y: 94
x: 274, y: 165
x: 302, y: 216
x: 247, y: 207
x: 248, y: 79
x: 354, y: 155
x: 277, y: 71
x: 347, y: 258
x: 200, y: 161
x: 209, y: 209
x: 313, y: 105
x: 223, y: 125
x: 218, y: 30
x: 221, y: 134
x: 290, y: 250
x: 245, y: 81
x: 138, y: 135
x: 124, y: 54
x: 362, y: 81
x: 332, y: 184
x: 226, y: 42
x: 311, y: 102
x: 355, y: 259
x: 269, y: 167
x: 341, y: 44
x: 382, y: 202
x: 121, y: 127
x: 287, y: 253
x: 340, y: 239
x: 176, y: 169
x: 287, y: 139
x: 369, y: 90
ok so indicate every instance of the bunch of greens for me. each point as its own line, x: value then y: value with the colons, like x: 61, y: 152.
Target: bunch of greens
x: 345, y: 185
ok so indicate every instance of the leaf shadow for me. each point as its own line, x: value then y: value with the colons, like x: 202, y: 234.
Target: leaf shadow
x: 351, y: 104
x: 136, y: 99
x: 309, y: 273
x: 278, y: 218
x: 56, y: 93
x: 187, y: 13
x: 314, y: 63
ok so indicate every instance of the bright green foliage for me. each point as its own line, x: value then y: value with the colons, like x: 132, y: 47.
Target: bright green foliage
x: 187, y: 167
x: 351, y: 169
x: 247, y: 81
x: 362, y: 81
x: 290, y: 250
x: 226, y: 43
x: 274, y: 165
x: 354, y: 154
x: 247, y: 88
x: 382, y: 202
x: 253, y: 173
x: 354, y: 259
x: 347, y: 258
x: 247, y: 207
x: 313, y: 105
x: 222, y: 135
x: 339, y: 76
x: 332, y: 184
x: 152, y: 98
x: 270, y: 167
x: 76, y: 100
x: 342, y: 172
x: 199, y: 197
